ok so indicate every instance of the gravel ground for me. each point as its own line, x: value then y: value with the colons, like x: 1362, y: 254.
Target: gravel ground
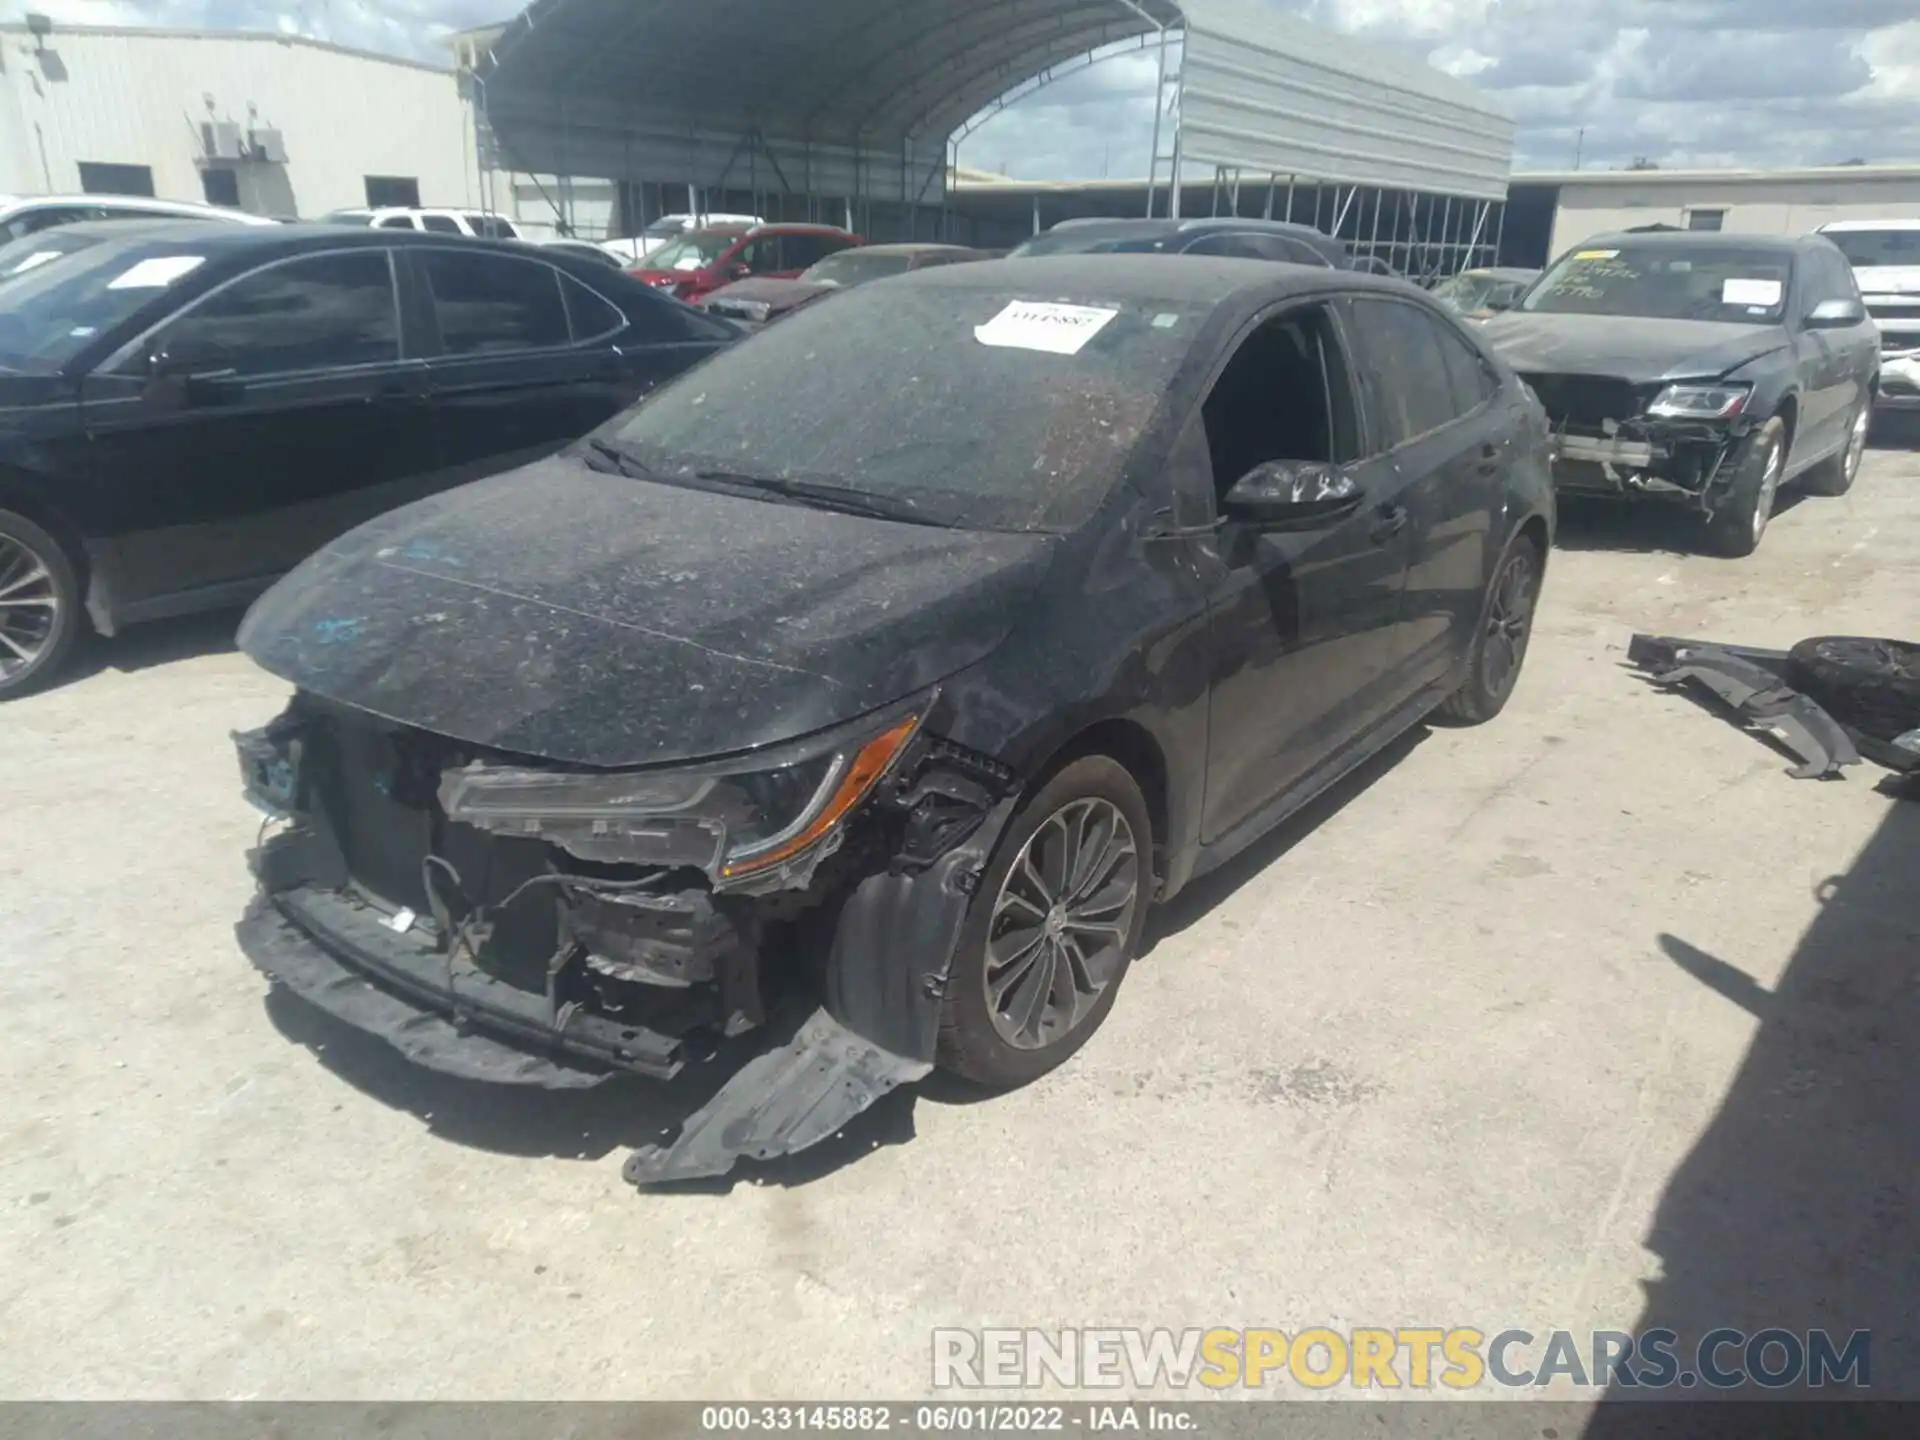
x: 1559, y: 1023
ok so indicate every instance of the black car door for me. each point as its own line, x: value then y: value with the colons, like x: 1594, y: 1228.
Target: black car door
x: 268, y: 415
x: 527, y: 358
x: 1432, y: 394
x: 1301, y: 619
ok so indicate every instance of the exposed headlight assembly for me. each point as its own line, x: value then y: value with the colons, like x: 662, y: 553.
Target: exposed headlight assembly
x: 1700, y: 402
x: 734, y: 821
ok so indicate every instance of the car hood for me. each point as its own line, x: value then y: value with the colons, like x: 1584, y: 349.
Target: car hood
x: 554, y: 611
x: 1888, y: 280
x: 1627, y: 347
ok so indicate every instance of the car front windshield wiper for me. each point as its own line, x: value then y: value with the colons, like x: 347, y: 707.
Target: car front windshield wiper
x: 826, y: 496
x: 612, y: 460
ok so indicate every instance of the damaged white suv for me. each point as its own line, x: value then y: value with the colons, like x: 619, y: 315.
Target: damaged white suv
x: 1885, y: 255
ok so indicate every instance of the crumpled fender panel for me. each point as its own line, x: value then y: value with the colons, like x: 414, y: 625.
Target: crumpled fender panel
x: 892, y: 953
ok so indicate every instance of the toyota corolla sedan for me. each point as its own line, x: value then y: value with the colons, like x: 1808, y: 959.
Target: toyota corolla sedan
x: 901, y: 687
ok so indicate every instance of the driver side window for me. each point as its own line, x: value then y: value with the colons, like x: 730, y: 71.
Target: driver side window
x: 761, y: 255
x: 1284, y: 395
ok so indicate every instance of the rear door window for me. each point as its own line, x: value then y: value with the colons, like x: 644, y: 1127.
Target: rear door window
x: 488, y: 304
x: 441, y: 224
x: 1404, y: 369
x: 588, y: 315
x: 322, y: 312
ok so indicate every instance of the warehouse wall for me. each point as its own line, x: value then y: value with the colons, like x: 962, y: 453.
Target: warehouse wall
x: 137, y: 97
x: 1777, y: 206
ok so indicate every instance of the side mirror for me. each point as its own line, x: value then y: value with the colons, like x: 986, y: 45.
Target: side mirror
x: 1494, y: 304
x: 1836, y: 314
x: 1293, y: 495
x: 197, y: 383
x: 739, y: 270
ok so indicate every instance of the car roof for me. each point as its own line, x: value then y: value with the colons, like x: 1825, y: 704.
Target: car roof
x: 1187, y: 279
x: 145, y: 204
x: 225, y: 241
x: 1907, y: 223
x: 914, y: 247
x: 1705, y: 239
x: 792, y: 227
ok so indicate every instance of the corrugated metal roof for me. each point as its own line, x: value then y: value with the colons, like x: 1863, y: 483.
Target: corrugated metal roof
x: 859, y: 96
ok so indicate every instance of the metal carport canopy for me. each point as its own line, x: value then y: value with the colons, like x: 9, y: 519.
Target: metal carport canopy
x: 858, y: 97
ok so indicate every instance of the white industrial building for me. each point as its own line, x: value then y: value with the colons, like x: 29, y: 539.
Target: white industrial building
x: 273, y: 124
x: 1773, y: 202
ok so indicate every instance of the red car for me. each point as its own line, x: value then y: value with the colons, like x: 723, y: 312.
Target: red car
x: 702, y: 261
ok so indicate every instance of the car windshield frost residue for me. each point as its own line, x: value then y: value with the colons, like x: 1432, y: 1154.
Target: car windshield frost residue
x: 893, y: 396
x: 1741, y: 285
x: 54, y: 311
x: 851, y: 267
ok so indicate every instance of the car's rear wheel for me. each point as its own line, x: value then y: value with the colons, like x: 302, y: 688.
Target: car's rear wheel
x: 39, y: 605
x: 1055, y: 922
x: 1500, y: 644
x: 1739, y: 522
x: 1835, y: 476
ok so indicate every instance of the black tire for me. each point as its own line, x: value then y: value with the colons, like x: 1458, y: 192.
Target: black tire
x: 972, y: 1043
x: 1873, y: 686
x: 1739, y: 521
x: 1499, y: 648
x: 31, y: 653
x: 1835, y: 475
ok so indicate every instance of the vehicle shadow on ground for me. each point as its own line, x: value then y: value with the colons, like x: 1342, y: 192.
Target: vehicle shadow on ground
x: 621, y: 1114
x: 1799, y: 1206
x: 145, y: 646
x: 1647, y: 529
x: 1199, y: 898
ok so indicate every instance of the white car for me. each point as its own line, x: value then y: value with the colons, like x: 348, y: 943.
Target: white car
x: 23, y: 215
x: 1885, y: 255
x: 439, y: 221
x: 635, y: 248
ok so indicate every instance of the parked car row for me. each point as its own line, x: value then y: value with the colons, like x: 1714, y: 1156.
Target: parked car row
x: 187, y: 410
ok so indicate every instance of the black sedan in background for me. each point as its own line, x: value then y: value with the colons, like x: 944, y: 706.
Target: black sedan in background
x: 909, y: 698
x: 1700, y: 370
x: 188, y: 411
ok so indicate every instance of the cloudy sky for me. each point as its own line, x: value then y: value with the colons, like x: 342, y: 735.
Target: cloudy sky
x: 1682, y: 82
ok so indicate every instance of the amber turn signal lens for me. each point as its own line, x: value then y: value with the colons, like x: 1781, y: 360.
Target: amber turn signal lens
x: 868, y: 766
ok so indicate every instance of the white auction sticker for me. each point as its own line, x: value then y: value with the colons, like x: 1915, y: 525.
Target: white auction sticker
x: 1761, y: 293
x: 156, y: 273
x: 1037, y: 325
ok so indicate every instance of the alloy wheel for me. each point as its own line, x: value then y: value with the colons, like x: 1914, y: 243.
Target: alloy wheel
x: 1769, y: 487
x: 1857, y: 442
x: 1061, y: 922
x: 1509, y: 622
x: 29, y: 607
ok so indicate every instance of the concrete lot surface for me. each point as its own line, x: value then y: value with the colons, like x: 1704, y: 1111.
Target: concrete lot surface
x: 1592, y: 1018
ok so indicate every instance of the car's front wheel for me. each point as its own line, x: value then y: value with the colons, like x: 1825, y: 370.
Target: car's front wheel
x: 39, y: 605
x: 1499, y: 646
x: 1739, y: 522
x: 1055, y: 922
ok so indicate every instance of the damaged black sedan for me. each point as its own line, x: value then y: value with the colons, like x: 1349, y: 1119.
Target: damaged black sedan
x: 1702, y: 370
x: 894, y: 664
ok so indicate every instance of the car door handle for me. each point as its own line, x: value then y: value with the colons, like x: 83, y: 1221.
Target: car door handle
x: 1389, y: 522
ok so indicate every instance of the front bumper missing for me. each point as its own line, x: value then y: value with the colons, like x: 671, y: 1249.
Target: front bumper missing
x: 1752, y: 683
x: 415, y: 983
x: 1677, y: 461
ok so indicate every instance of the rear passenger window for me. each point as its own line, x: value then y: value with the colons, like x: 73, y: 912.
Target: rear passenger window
x: 1472, y: 385
x: 440, y: 224
x: 801, y: 251
x: 487, y: 304
x: 589, y: 316
x: 1404, y: 371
